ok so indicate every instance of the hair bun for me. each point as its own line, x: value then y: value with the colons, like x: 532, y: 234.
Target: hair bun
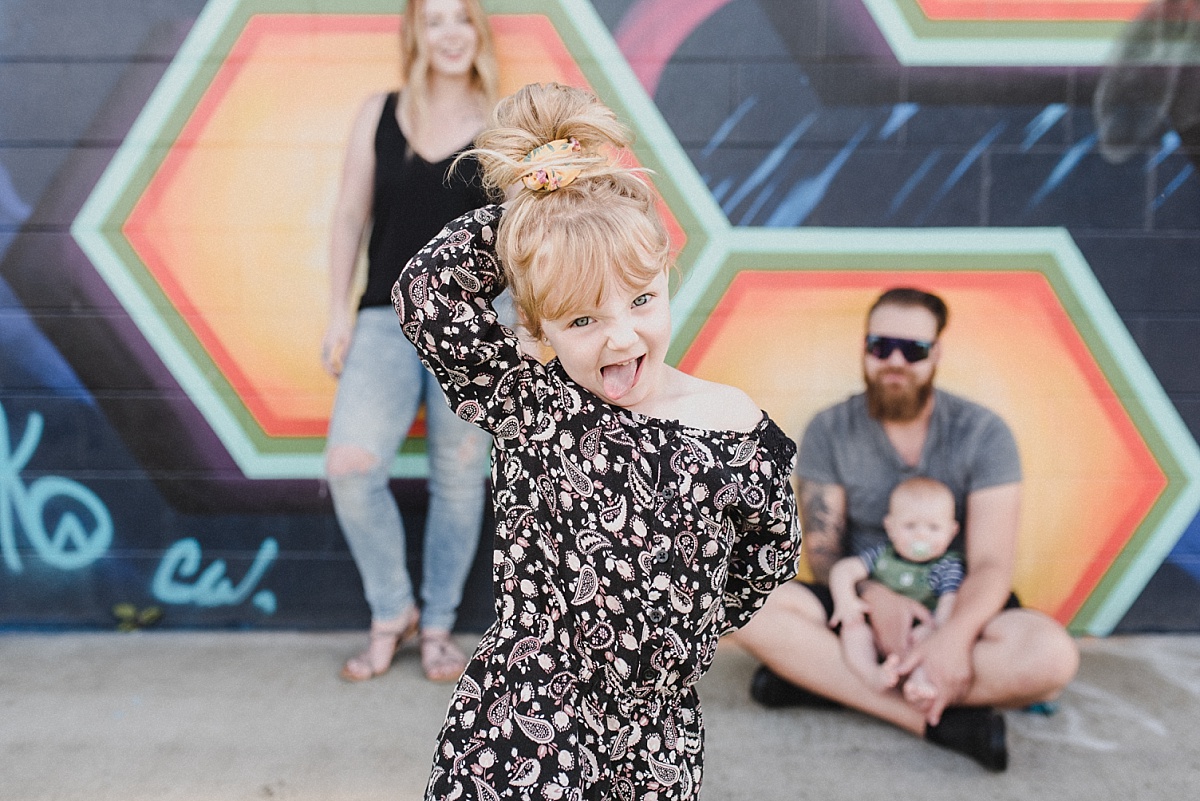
x: 536, y: 116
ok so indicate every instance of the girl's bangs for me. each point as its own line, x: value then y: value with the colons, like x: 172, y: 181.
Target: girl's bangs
x: 577, y: 272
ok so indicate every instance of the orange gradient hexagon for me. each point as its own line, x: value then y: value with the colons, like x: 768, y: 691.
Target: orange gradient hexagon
x: 793, y: 341
x: 250, y: 183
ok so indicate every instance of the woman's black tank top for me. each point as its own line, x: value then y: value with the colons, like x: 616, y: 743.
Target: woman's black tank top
x: 413, y: 201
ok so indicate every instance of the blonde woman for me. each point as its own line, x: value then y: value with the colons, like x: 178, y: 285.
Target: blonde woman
x: 398, y: 183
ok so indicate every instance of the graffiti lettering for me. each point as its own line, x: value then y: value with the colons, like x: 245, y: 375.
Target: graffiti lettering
x: 212, y: 587
x: 76, y: 540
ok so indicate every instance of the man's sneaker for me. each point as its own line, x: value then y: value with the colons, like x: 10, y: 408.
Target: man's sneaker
x: 771, y: 691
x: 977, y: 732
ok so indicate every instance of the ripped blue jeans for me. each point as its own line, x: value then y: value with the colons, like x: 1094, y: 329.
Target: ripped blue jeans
x: 382, y: 386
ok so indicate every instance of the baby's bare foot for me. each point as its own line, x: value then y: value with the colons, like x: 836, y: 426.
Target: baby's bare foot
x: 883, y: 676
x: 918, y: 690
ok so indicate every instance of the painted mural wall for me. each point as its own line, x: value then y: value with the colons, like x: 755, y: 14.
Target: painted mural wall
x: 167, y: 176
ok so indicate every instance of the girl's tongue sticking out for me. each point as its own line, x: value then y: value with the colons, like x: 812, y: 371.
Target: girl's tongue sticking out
x: 620, y: 378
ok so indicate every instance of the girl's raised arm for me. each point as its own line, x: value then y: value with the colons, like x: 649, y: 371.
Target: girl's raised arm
x: 444, y: 300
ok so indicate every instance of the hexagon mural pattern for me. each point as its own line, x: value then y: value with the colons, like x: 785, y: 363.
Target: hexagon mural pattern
x: 181, y: 186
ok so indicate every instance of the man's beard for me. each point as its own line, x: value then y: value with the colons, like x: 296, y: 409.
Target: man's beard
x: 895, y: 404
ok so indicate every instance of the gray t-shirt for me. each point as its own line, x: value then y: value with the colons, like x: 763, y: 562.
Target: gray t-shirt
x: 968, y: 448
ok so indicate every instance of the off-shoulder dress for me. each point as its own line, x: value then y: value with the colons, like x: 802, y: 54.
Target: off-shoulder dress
x: 625, y: 546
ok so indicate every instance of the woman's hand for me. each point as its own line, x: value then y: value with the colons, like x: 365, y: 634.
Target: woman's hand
x: 336, y: 343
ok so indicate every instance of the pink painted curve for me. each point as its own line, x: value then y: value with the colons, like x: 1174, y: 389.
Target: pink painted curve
x: 652, y: 30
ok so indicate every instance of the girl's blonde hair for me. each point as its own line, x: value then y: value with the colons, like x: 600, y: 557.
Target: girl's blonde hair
x: 564, y: 250
x: 414, y: 59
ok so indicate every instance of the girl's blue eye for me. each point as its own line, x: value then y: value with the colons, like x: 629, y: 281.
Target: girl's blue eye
x: 641, y: 300
x: 580, y: 322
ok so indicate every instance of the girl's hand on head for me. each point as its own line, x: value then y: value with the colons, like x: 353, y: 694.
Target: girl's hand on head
x: 530, y: 345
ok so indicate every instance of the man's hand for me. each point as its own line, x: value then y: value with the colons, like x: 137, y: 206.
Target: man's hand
x: 892, y: 618
x: 946, y: 661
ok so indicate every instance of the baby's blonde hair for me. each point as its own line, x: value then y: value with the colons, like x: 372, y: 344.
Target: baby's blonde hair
x: 564, y: 250
x: 921, y: 489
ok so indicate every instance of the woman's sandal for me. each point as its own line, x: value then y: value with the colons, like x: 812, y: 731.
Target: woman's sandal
x: 441, y: 658
x: 383, y: 642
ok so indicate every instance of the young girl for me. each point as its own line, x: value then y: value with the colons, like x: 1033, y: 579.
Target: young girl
x: 640, y: 512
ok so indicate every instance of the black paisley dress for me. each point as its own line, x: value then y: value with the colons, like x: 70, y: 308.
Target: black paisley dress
x: 624, y: 547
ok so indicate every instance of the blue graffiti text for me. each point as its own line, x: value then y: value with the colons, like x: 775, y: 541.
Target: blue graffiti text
x: 82, y: 527
x: 211, y: 587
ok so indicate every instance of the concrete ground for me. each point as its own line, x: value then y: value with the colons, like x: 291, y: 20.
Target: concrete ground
x: 162, y: 716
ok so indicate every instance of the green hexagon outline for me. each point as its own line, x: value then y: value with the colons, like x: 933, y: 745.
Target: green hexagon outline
x: 97, y: 227
x: 918, y: 41
x: 1053, y: 253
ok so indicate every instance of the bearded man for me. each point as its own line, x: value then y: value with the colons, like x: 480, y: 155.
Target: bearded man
x: 990, y: 653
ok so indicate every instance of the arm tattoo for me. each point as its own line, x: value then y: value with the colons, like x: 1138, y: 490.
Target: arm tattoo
x: 823, y: 519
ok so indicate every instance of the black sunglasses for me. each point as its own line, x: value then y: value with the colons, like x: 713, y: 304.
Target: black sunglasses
x: 913, y: 350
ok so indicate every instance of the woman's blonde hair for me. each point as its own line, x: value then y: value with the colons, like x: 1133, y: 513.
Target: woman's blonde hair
x: 564, y: 250
x: 414, y: 59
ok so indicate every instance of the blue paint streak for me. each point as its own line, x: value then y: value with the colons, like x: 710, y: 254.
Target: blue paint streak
x: 960, y: 170
x: 805, y: 195
x: 901, y: 113
x: 1043, y: 122
x: 1169, y: 143
x: 1069, y: 161
x: 29, y: 356
x: 727, y: 127
x: 12, y: 208
x: 25, y: 353
x: 720, y: 190
x: 1176, y: 182
x: 773, y: 159
x: 1186, y: 553
x: 760, y: 201
x: 913, y: 181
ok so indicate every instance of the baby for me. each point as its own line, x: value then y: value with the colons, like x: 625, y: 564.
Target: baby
x: 920, y: 525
